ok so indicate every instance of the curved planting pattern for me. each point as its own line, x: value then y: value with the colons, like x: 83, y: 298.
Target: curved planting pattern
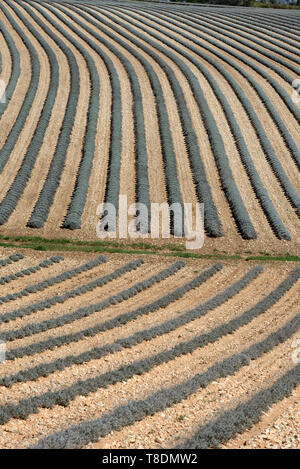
x: 49, y: 302
x: 30, y: 270
x: 165, y: 103
x: 11, y: 140
x: 8, y: 204
x: 40, y: 286
x: 79, y: 197
x: 15, y: 73
x: 12, y: 258
x: 212, y: 223
x: 264, y: 98
x: 179, y: 336
x: 46, y: 197
x: 161, y: 39
x: 189, y: 329
x: 92, y: 431
x: 257, y: 185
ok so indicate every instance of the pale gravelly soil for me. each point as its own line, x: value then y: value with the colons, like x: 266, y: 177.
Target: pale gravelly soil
x: 171, y: 425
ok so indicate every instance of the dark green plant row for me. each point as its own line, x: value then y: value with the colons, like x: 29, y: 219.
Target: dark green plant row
x: 10, y: 259
x: 36, y: 328
x: 64, y: 396
x: 46, y: 369
x: 40, y: 286
x: 30, y: 270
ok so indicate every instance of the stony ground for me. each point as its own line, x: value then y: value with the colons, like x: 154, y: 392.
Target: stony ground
x: 138, y: 371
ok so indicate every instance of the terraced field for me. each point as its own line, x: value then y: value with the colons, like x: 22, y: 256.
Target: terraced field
x: 119, y: 352
x: 162, y: 103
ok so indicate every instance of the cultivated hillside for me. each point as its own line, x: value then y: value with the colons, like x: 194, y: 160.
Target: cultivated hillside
x: 162, y: 103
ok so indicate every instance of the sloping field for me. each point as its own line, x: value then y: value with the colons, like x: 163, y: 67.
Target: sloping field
x: 161, y: 103
x: 125, y: 352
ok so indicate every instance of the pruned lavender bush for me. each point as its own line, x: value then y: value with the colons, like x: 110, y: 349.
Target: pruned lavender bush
x: 40, y: 286
x: 88, y: 310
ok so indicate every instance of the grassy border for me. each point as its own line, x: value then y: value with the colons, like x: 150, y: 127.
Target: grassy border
x: 38, y: 243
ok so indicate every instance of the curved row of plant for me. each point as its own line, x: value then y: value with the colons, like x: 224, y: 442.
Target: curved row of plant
x: 140, y: 150
x: 244, y: 33
x: 196, y: 22
x: 14, y: 74
x: 17, y: 188
x: 10, y: 259
x: 275, y: 164
x: 53, y: 300
x: 40, y: 286
x: 64, y: 396
x: 19, y: 123
x: 236, y: 204
x: 30, y: 270
x: 234, y: 199
x: 53, y: 177
x: 252, y: 28
x: 77, y: 436
x: 259, y: 189
x: 286, y: 98
x: 73, y: 218
x: 287, y: 27
x: 75, y: 209
x: 246, y: 414
x: 83, y: 312
x: 293, y: 148
x: 169, y: 158
x: 262, y: 20
x: 124, y: 318
x: 46, y: 369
